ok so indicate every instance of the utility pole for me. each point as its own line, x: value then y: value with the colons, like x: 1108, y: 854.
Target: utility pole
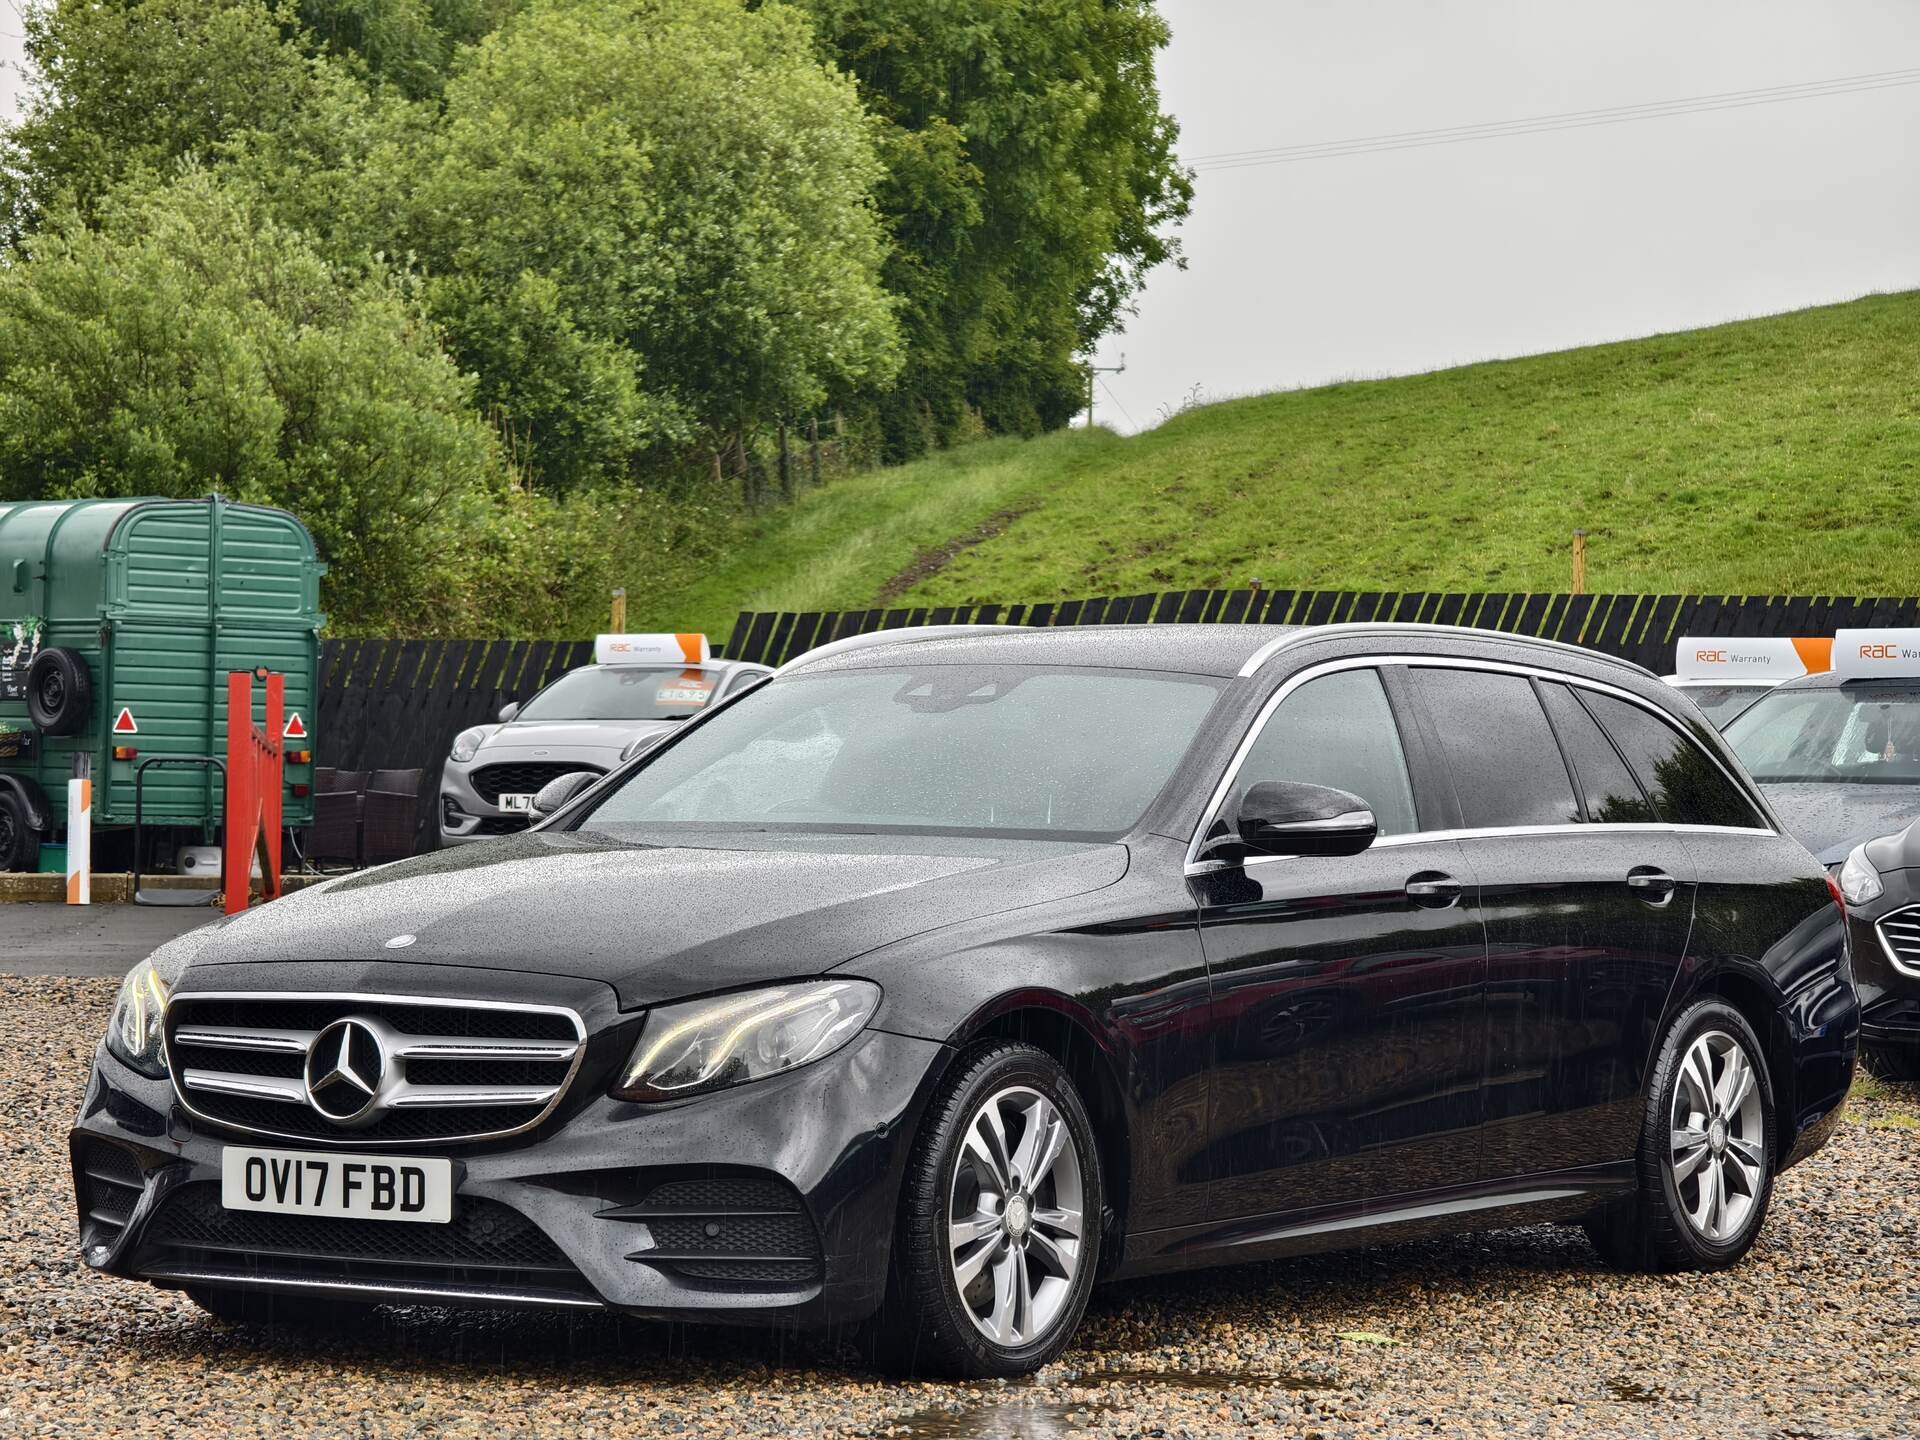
x: 1093, y: 372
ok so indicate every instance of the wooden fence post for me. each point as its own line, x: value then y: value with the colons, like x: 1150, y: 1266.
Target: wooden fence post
x: 813, y: 447
x: 1579, y: 562
x: 786, y: 465
x: 618, y: 622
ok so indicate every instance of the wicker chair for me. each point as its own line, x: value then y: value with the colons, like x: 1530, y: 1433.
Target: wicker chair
x: 336, y: 817
x: 389, y: 816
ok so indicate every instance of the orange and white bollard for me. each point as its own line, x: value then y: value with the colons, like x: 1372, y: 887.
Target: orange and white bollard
x: 80, y: 833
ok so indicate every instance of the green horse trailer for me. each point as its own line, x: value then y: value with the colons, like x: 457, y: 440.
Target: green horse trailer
x: 119, y: 622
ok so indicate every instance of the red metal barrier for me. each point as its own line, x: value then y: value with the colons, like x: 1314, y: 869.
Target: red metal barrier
x: 253, y: 789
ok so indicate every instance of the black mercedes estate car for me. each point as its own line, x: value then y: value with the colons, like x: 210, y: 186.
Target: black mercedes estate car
x: 940, y: 977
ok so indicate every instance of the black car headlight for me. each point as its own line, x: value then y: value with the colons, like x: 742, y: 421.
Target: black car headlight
x: 703, y: 1045
x: 133, y: 1035
x: 1859, y: 881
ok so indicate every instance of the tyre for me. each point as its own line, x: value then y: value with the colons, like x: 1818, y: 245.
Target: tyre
x: 59, y: 692
x: 260, y: 1307
x: 999, y: 1231
x: 1707, y: 1151
x: 19, y: 841
x: 1894, y: 1062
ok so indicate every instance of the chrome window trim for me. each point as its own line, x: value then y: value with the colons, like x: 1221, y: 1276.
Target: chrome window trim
x: 1905, y: 967
x: 350, y: 1138
x: 1406, y: 627
x: 1196, y: 866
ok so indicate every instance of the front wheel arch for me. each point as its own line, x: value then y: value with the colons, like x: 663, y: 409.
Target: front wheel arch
x: 1077, y: 1048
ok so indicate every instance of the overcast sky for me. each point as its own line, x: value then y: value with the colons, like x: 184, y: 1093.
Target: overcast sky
x: 1389, y: 263
x: 1406, y: 260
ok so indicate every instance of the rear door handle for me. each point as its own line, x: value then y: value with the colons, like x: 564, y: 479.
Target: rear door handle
x: 1652, y: 884
x: 1434, y: 889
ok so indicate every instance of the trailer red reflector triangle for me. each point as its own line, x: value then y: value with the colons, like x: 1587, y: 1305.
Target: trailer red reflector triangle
x: 296, y: 727
x: 123, y: 722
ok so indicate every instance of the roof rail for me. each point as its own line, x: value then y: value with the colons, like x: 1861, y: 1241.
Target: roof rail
x: 1395, y: 627
x: 905, y: 635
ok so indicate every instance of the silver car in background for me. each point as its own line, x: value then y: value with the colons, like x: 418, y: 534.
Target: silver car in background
x: 587, y: 720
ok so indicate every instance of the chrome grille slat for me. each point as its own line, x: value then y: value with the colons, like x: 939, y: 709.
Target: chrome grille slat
x: 281, y: 1041
x: 533, y: 1061
x: 432, y: 1047
x: 254, y: 1087
x: 422, y: 1096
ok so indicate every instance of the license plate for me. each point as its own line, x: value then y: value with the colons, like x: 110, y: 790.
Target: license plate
x: 362, y: 1187
x: 517, y: 804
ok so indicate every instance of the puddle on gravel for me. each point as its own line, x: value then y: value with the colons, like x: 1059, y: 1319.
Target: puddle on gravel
x: 1012, y: 1418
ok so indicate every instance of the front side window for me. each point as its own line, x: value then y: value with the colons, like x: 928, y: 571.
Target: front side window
x: 1006, y: 749
x: 1337, y: 731
x: 1685, y: 785
x: 1506, y: 765
x: 1845, y: 734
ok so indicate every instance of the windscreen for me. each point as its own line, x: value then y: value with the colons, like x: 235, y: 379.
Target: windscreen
x: 1721, y: 703
x: 1859, y: 734
x: 624, y: 692
x: 1019, y: 750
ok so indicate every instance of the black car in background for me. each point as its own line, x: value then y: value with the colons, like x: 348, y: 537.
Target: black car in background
x: 1881, y: 883
x: 937, y: 979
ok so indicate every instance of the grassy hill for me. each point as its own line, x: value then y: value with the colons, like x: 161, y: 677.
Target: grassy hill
x: 1779, y: 455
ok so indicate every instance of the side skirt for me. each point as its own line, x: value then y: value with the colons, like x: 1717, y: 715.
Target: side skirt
x: 1523, y: 1200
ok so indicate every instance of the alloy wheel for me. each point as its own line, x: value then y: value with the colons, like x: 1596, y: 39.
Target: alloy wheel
x: 1016, y: 1217
x: 1718, y: 1141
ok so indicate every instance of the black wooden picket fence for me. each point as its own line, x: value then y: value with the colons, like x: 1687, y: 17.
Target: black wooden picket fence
x: 1641, y: 628
x: 398, y: 704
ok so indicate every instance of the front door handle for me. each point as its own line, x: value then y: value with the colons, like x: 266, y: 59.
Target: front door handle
x: 1651, y: 884
x: 1434, y: 889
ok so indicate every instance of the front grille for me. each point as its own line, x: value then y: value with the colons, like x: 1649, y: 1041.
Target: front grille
x: 487, y: 1246
x: 1900, y: 938
x: 730, y: 1230
x: 109, y: 1183
x: 490, y: 782
x: 448, y: 1070
x: 501, y: 824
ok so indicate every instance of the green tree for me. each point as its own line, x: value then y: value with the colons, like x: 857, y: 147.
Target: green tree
x: 648, y: 224
x: 188, y: 343
x: 1031, y: 186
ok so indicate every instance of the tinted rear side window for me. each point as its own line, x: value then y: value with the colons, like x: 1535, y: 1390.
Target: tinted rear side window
x: 1505, y: 763
x: 1338, y: 731
x: 1685, y: 785
x: 1613, y: 796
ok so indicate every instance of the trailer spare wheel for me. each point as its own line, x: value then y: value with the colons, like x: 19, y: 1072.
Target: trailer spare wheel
x: 59, y: 692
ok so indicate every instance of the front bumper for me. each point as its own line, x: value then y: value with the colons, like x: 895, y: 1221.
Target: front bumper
x: 462, y: 816
x: 1889, y: 994
x: 770, y: 1203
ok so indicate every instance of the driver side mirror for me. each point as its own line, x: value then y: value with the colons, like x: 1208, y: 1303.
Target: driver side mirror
x: 555, y: 794
x: 1286, y: 817
x: 509, y: 710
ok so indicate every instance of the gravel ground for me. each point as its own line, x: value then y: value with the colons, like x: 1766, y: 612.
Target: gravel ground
x: 1515, y: 1333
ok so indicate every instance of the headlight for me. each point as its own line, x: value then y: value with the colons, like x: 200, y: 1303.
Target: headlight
x: 1859, y: 881
x: 134, y: 1032
x: 464, y: 744
x: 705, y: 1045
x: 641, y: 745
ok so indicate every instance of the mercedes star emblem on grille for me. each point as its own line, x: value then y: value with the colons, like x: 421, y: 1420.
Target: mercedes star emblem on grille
x: 345, y: 1066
